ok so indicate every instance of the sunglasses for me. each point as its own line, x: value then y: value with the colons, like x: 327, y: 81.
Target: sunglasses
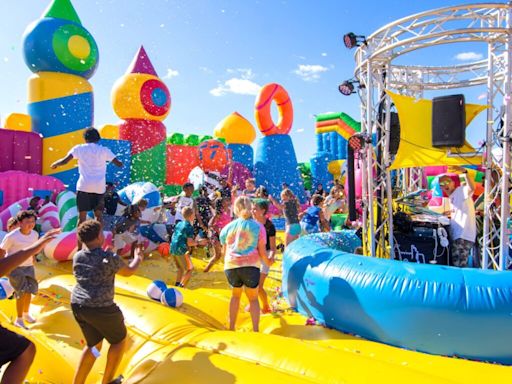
x: 443, y: 183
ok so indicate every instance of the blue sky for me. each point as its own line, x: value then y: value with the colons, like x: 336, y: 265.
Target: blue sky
x: 214, y: 55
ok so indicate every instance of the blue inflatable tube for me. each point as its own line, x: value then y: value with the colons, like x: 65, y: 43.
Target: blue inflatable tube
x: 429, y: 308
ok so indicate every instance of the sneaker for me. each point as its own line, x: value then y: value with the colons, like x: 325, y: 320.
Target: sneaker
x: 29, y: 319
x: 20, y: 323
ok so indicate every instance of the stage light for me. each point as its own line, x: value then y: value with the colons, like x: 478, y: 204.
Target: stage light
x: 352, y: 40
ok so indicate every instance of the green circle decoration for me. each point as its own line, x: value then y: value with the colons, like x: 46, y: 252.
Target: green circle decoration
x: 60, y: 46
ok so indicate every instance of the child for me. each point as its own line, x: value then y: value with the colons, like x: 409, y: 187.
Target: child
x: 142, y: 204
x: 204, y: 210
x: 259, y: 212
x: 23, y: 278
x: 92, y: 300
x: 312, y: 219
x: 333, y: 203
x: 250, y: 188
x: 182, y: 239
x: 112, y: 200
x: 125, y: 229
x: 186, y: 200
x: 290, y: 207
x: 92, y: 166
x: 220, y: 220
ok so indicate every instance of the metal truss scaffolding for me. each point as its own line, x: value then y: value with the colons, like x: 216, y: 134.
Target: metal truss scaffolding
x: 376, y: 71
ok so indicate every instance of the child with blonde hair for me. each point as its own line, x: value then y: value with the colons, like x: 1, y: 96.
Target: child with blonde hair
x: 290, y: 207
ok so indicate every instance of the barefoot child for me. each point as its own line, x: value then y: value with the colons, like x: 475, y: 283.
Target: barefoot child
x: 182, y: 239
x: 220, y: 220
x: 259, y: 212
x: 23, y: 278
x: 92, y: 300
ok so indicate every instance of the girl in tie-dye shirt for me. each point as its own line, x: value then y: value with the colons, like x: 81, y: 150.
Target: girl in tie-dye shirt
x: 244, y: 241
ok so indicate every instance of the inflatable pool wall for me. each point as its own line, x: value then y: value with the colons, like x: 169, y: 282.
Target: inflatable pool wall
x: 63, y: 56
x: 429, y: 308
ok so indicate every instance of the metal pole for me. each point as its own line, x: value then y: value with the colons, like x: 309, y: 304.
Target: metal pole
x: 507, y: 131
x: 369, y: 160
x: 488, y: 161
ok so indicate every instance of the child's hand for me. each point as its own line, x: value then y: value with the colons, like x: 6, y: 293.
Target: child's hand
x: 139, y: 251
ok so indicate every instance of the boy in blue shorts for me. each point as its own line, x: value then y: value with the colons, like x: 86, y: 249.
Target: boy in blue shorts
x: 182, y: 239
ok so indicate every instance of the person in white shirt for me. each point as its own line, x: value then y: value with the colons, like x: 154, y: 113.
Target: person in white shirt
x: 462, y: 217
x: 22, y: 278
x: 92, y: 167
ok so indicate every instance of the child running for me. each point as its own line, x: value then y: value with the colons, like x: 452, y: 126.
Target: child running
x: 182, y: 239
x: 290, y: 208
x: 125, y: 230
x: 22, y: 278
x: 312, y: 220
x: 259, y: 212
x: 221, y: 218
x: 92, y: 301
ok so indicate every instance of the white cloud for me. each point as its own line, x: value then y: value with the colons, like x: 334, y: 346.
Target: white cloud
x: 240, y: 85
x: 467, y: 56
x: 324, y: 54
x: 237, y: 86
x: 310, y: 72
x: 206, y: 70
x: 171, y: 73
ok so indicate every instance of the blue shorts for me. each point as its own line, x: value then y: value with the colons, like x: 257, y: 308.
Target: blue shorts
x: 293, y: 229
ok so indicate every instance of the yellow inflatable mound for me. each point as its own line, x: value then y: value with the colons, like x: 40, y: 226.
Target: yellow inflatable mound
x: 191, y: 344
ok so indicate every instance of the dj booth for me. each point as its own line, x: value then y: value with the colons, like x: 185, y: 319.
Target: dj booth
x: 424, y: 239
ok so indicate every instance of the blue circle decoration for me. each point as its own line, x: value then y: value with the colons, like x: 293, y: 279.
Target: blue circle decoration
x: 159, y: 97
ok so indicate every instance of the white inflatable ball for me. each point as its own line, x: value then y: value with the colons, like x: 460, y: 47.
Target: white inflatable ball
x: 155, y: 289
x: 172, y: 298
x: 6, y: 289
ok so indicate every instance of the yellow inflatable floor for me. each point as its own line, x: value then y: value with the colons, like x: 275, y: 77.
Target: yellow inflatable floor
x: 191, y: 344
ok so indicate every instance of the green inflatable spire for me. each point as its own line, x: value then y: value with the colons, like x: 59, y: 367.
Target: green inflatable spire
x: 62, y: 9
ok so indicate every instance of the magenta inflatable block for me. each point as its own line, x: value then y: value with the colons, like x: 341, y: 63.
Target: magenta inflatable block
x: 20, y: 151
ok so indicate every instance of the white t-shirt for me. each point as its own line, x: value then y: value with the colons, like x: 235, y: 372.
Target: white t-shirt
x: 331, y: 205
x: 462, y: 220
x: 183, y: 202
x: 15, y: 241
x: 92, y: 166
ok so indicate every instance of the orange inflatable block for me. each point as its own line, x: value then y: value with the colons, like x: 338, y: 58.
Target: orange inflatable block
x: 181, y: 159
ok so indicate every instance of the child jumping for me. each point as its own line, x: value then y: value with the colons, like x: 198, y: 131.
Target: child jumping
x: 22, y: 278
x: 92, y: 301
x: 290, y: 208
x: 312, y: 220
x: 182, y: 239
x: 221, y: 218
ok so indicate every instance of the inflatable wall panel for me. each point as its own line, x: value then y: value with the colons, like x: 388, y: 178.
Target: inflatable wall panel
x: 20, y: 151
x: 122, y: 150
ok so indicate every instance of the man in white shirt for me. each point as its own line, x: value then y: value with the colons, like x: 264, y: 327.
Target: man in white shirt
x: 92, y: 167
x: 462, y: 217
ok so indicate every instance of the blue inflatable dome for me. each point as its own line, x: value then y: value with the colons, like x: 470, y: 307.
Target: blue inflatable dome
x: 429, y: 308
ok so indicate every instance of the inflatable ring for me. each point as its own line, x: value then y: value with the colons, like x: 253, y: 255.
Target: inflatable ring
x: 274, y: 92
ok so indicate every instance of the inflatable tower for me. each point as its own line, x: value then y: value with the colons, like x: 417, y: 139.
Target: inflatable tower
x: 275, y: 160
x: 143, y: 101
x: 63, y: 56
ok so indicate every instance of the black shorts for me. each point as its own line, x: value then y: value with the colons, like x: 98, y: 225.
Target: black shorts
x: 86, y: 201
x: 12, y: 345
x: 98, y: 323
x: 243, y: 276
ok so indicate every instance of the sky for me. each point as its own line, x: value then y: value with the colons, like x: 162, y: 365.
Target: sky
x: 214, y: 55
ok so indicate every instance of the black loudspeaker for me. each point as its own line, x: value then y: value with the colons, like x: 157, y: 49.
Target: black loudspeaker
x: 448, y: 121
x: 394, y: 138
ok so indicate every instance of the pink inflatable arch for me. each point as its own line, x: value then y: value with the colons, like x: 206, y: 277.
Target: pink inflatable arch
x: 15, y: 185
x: 20, y: 151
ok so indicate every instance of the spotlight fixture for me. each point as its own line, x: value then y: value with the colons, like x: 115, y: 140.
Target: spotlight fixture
x: 347, y: 87
x: 352, y: 40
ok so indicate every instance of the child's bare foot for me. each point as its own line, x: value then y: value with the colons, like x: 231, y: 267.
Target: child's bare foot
x: 29, y: 319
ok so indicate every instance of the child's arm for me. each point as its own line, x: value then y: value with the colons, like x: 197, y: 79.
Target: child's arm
x: 62, y: 161
x: 324, y: 225
x: 263, y: 253
x: 213, y: 220
x: 194, y: 243
x: 2, y: 253
x: 273, y: 247
x: 128, y: 270
x: 276, y: 203
x: 117, y: 162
